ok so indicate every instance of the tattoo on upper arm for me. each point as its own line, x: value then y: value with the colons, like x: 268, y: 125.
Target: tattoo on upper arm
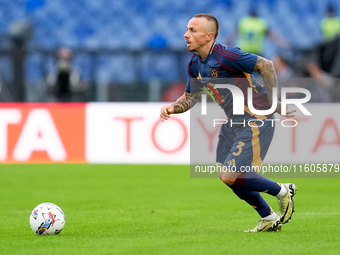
x: 259, y: 63
x: 266, y: 67
x: 185, y: 102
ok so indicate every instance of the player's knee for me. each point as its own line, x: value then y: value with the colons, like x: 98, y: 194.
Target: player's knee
x: 226, y: 179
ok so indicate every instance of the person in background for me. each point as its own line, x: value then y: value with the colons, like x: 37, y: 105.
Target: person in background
x: 64, y: 82
x: 251, y: 33
x: 322, y: 63
x: 330, y: 24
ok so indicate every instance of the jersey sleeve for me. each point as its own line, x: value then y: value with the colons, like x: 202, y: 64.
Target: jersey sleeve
x: 245, y: 62
x: 191, y: 86
x: 188, y: 86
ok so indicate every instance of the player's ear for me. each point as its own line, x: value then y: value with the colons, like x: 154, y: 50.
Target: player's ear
x: 210, y: 36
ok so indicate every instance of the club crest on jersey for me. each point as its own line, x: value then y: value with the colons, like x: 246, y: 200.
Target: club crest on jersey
x: 214, y: 73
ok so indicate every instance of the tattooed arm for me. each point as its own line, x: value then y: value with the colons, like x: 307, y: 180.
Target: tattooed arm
x: 182, y: 104
x: 267, y: 70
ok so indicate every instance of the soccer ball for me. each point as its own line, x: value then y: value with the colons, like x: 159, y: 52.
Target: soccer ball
x: 47, y: 219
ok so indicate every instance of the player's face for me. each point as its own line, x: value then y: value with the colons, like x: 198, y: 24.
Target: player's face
x: 196, y: 35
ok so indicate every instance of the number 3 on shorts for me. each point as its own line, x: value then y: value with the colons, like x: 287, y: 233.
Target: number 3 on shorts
x: 239, y: 147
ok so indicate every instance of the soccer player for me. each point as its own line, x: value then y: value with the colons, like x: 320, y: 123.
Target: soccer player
x: 238, y: 145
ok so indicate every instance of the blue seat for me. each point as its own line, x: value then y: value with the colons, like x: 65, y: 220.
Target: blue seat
x: 134, y: 24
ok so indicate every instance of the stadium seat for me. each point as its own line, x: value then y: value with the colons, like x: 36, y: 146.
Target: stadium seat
x: 107, y: 24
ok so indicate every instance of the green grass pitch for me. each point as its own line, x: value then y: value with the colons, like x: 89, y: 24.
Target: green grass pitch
x: 156, y: 209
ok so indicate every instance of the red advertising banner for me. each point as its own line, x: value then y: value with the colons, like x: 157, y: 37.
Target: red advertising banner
x: 42, y: 132
x: 131, y: 133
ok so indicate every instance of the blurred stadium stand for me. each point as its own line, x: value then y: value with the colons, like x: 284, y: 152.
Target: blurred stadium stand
x: 127, y: 44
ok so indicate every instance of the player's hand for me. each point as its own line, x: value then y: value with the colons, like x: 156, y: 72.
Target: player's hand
x: 289, y: 114
x: 165, y: 112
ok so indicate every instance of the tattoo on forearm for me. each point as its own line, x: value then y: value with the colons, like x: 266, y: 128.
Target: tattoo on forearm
x: 185, y: 102
x: 268, y: 74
